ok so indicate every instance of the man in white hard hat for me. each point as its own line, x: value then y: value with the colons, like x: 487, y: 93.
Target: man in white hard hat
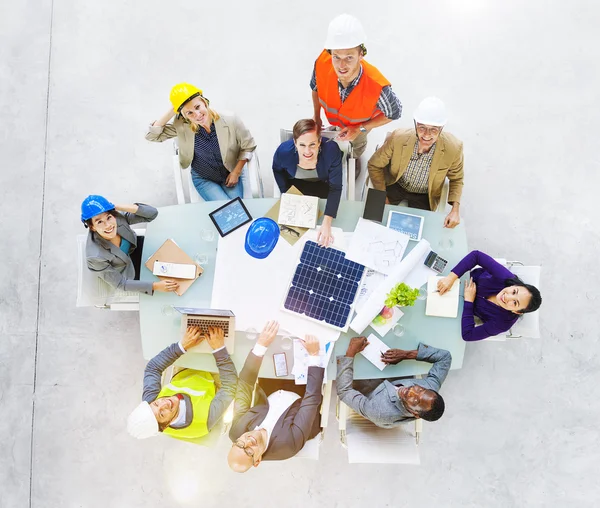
x: 190, y: 405
x: 413, y: 164
x: 356, y: 97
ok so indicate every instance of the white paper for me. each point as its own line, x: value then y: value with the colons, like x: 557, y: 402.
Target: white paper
x: 376, y: 246
x: 420, y: 273
x: 373, y: 351
x: 375, y: 303
x: 445, y: 305
x: 254, y: 288
x: 368, y: 284
x: 300, y: 369
x: 298, y: 211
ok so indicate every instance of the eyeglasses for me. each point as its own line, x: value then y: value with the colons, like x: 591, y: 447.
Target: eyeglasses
x: 423, y: 129
x: 240, y: 444
x: 290, y: 231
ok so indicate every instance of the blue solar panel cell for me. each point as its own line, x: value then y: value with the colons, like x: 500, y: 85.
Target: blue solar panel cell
x: 324, y: 285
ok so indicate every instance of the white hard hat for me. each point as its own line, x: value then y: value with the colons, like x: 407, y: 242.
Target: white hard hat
x: 345, y: 32
x: 142, y: 423
x: 431, y: 111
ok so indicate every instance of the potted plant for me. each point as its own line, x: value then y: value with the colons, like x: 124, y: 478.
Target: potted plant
x: 401, y: 295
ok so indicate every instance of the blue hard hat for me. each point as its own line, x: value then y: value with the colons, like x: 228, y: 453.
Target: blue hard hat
x: 94, y: 205
x: 261, y: 237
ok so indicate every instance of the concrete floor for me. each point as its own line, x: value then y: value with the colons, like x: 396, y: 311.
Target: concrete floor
x: 79, y: 83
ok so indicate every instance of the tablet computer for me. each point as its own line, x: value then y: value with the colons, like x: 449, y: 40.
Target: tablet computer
x: 407, y: 223
x: 230, y: 216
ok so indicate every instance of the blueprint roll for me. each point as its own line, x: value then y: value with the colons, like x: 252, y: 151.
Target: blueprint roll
x: 375, y: 303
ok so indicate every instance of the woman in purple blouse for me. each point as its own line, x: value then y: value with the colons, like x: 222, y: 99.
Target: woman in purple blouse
x: 494, y: 294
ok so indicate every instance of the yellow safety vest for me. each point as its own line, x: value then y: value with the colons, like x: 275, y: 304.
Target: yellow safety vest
x: 200, y: 386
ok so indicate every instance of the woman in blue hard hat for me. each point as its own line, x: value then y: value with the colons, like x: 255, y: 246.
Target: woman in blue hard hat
x: 314, y: 166
x: 217, y: 146
x: 113, y: 250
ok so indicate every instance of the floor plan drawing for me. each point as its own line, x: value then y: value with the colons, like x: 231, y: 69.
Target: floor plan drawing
x: 299, y: 211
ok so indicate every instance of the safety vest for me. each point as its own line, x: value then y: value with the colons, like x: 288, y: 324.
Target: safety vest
x: 200, y: 386
x: 360, y: 106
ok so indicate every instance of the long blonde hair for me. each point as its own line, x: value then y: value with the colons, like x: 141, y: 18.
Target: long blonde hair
x: 214, y: 116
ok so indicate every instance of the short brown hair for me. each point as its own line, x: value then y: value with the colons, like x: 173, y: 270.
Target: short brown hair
x: 303, y: 126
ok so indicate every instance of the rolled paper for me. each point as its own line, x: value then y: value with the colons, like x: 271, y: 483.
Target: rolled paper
x: 376, y: 301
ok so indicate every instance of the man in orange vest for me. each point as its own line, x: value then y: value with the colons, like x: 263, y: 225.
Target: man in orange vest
x: 356, y: 97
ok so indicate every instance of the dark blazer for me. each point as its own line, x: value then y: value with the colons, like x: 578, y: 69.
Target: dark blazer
x: 329, y: 169
x: 112, y: 264
x: 298, y: 424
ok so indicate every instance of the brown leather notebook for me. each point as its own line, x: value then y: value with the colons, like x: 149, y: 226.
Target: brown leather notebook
x: 170, y: 252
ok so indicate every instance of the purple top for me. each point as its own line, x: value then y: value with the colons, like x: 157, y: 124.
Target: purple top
x: 490, y: 279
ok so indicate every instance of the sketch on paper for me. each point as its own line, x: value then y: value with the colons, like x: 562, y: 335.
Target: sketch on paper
x: 299, y: 211
x: 376, y: 246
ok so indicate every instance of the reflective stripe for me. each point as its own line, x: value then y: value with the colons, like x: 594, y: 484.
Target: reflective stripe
x: 336, y: 112
x: 185, y: 389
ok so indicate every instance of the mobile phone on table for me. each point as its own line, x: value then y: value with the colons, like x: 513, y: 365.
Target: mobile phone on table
x: 280, y: 363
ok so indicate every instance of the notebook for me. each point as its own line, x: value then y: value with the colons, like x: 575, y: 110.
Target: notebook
x: 445, y: 305
x: 373, y: 351
x: 172, y: 253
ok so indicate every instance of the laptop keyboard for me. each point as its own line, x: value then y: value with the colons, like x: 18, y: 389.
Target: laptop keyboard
x: 205, y: 323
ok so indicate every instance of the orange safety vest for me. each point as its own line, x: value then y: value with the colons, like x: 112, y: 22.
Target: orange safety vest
x: 361, y: 105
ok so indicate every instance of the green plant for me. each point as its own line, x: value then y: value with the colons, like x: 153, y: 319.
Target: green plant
x: 402, y: 295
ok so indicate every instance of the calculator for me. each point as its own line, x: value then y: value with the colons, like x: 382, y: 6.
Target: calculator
x: 435, y: 262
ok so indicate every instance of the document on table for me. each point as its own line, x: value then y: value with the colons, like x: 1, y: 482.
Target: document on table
x: 373, y: 351
x: 300, y: 368
x: 445, y: 305
x: 298, y: 211
x: 376, y: 246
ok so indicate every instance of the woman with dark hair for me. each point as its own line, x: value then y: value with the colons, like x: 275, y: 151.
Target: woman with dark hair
x: 113, y: 250
x: 494, y: 294
x: 314, y: 166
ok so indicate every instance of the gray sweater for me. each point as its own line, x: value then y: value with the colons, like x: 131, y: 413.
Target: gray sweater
x: 227, y: 373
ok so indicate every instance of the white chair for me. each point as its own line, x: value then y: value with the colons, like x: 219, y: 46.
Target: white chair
x: 251, y: 179
x: 369, y: 444
x: 92, y: 291
x: 528, y: 324
x: 348, y: 164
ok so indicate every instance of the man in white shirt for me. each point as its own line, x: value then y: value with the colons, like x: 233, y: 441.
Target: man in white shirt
x: 277, y: 427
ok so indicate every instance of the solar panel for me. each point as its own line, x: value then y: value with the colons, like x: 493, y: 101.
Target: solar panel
x: 324, y: 285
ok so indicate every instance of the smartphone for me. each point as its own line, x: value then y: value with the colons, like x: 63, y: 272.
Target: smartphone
x: 280, y: 363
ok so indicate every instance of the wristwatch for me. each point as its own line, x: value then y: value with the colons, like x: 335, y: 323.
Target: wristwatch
x: 362, y: 128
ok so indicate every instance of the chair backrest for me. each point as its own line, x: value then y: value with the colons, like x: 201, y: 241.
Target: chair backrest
x: 528, y: 324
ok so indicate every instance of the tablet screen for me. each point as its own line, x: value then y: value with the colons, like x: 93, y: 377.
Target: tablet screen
x: 230, y: 216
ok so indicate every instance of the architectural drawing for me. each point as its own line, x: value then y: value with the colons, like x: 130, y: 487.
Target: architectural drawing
x: 300, y: 211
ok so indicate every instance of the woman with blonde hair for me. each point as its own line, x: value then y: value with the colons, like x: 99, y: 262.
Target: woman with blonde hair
x: 217, y: 146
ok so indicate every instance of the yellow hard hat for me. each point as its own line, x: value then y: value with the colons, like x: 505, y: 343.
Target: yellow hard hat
x: 181, y: 93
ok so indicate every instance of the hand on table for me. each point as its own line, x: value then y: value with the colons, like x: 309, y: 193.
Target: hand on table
x: 324, y: 237
x: 394, y: 356
x: 357, y: 344
x: 311, y: 344
x: 267, y: 336
x: 165, y: 286
x: 446, y: 283
x: 452, y: 219
x: 216, y: 337
x: 193, y: 336
x: 470, y: 291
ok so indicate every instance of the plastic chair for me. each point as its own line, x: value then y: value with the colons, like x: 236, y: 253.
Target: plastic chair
x: 251, y: 179
x: 92, y: 291
x: 348, y: 164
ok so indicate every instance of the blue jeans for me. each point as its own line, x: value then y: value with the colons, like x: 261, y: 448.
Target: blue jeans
x: 213, y: 191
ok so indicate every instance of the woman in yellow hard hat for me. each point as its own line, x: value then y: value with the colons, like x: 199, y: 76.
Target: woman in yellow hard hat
x: 217, y: 146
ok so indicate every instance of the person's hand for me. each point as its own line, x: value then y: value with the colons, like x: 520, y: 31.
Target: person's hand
x: 470, y: 291
x: 193, y: 336
x: 324, y: 237
x: 357, y: 344
x: 387, y: 201
x: 446, y: 283
x: 165, y: 286
x: 232, y: 179
x: 216, y: 337
x: 348, y: 133
x: 393, y: 356
x: 267, y: 336
x: 452, y: 219
x: 311, y: 344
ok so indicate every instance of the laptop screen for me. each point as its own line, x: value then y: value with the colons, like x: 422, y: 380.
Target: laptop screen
x: 194, y: 311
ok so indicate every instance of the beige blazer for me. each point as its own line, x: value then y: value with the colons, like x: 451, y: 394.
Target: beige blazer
x: 235, y: 141
x: 390, y: 161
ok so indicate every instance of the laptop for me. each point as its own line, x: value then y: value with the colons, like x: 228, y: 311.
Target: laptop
x: 191, y: 316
